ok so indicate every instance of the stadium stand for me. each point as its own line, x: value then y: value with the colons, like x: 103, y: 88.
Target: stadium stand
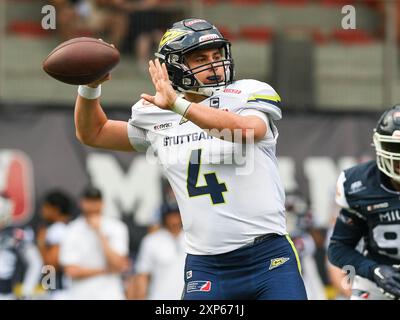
x: 344, y: 60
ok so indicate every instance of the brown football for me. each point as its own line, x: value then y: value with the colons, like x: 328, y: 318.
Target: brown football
x: 81, y: 60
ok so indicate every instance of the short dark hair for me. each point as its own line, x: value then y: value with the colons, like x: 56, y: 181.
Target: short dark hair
x: 92, y: 193
x: 59, y: 199
x: 168, y: 208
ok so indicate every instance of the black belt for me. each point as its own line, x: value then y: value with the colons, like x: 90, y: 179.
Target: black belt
x: 265, y: 237
x: 259, y: 239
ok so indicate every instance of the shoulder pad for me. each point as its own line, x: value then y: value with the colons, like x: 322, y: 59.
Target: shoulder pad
x: 146, y: 115
x: 248, y: 86
x: 340, y: 196
x: 260, y: 96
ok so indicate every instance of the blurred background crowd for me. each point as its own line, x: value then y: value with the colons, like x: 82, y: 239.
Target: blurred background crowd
x: 85, y: 224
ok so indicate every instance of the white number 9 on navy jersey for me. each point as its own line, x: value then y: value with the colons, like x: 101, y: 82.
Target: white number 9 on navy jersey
x: 387, y: 237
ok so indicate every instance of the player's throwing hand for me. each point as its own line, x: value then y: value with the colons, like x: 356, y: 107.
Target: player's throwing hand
x: 165, y: 95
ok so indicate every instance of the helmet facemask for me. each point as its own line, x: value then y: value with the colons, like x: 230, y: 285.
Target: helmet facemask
x: 193, y: 83
x: 184, y: 79
x: 388, y: 154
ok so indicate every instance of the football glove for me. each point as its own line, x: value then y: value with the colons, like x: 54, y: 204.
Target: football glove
x: 388, y: 280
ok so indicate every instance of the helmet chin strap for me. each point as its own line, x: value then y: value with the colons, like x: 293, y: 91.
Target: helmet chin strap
x: 205, y: 91
x: 208, y: 92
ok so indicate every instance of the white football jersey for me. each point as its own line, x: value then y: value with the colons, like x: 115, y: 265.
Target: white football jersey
x: 228, y: 193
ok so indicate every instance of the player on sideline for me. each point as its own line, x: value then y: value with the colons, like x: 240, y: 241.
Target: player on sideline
x: 235, y: 230
x: 369, y: 196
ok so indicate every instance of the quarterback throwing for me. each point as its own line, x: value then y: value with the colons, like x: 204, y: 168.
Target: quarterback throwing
x: 196, y: 123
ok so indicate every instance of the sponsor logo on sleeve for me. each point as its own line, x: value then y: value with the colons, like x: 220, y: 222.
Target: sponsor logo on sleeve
x: 162, y: 126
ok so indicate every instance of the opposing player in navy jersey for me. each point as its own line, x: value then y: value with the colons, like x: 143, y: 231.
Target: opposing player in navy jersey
x: 234, y: 221
x: 369, y: 195
x: 17, y: 253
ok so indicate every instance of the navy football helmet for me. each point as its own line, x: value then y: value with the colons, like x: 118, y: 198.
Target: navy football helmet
x: 386, y: 140
x: 187, y: 36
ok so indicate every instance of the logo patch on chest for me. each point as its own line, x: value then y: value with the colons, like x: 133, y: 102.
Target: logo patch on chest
x: 214, y: 102
x: 377, y: 206
x: 356, y: 187
x: 183, y: 120
x: 234, y: 91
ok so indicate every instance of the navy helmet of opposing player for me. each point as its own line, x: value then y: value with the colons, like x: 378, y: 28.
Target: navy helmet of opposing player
x: 185, y: 37
x: 386, y: 140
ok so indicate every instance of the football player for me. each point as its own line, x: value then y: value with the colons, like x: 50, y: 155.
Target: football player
x: 55, y: 212
x: 370, y: 211
x: 234, y: 221
x: 17, y: 252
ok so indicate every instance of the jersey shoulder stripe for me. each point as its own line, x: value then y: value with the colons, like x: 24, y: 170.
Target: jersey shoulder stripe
x: 259, y: 96
x: 272, y: 99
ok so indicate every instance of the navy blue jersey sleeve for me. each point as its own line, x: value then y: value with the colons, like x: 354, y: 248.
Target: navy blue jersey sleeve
x: 348, y: 231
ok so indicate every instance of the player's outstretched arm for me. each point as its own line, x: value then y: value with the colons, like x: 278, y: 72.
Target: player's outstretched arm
x: 94, y: 129
x: 209, y: 118
x: 342, y: 247
x: 204, y: 117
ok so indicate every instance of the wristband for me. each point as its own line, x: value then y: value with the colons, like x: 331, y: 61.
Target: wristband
x: 89, y: 93
x: 181, y: 106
